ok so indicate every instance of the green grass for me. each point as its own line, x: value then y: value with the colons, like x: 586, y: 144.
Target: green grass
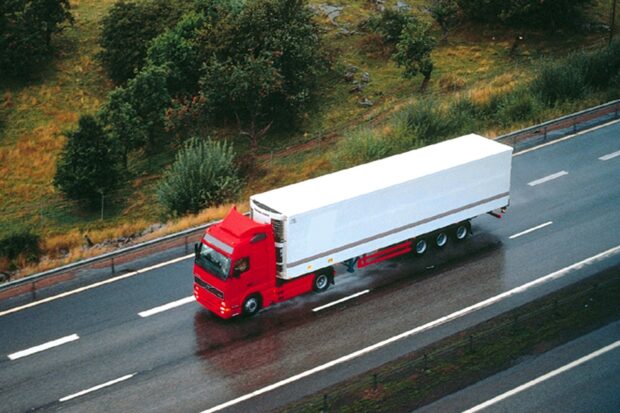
x: 472, y: 62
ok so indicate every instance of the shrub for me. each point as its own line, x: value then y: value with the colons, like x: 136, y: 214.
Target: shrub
x: 23, y: 243
x: 204, y: 174
x: 559, y: 81
x: 360, y: 146
x: 516, y: 106
x: 390, y: 24
x: 428, y: 122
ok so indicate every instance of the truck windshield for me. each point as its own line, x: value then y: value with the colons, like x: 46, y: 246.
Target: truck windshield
x: 213, y: 261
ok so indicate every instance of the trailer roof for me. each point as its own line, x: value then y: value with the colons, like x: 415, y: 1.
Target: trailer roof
x: 350, y: 183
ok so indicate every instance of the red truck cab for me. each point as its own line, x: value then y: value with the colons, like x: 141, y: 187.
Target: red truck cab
x: 235, y: 269
x: 235, y: 266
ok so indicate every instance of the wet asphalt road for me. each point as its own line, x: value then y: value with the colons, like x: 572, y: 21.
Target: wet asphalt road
x: 185, y: 360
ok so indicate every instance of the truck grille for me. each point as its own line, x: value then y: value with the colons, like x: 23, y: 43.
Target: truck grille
x: 278, y: 230
x: 209, y: 288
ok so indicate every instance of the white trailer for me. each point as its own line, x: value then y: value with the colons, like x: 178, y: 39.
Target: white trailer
x: 346, y: 214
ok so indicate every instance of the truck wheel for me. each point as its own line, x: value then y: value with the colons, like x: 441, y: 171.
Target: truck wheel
x: 251, y: 305
x: 441, y: 239
x: 420, y: 246
x: 461, y: 231
x: 321, y: 282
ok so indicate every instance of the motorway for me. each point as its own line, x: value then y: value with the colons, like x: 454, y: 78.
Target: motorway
x: 93, y: 351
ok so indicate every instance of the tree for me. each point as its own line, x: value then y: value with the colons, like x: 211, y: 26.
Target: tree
x: 26, y: 29
x: 176, y: 49
x: 122, y: 123
x: 444, y: 12
x: 262, y: 65
x: 127, y: 31
x: 413, y: 51
x: 390, y: 24
x: 203, y: 174
x: 86, y: 168
x: 244, y: 88
x: 134, y: 116
x: 550, y: 15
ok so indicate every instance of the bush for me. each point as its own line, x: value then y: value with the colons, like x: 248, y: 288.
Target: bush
x: 559, y: 81
x: 428, y: 122
x: 361, y: 146
x: 204, y: 174
x: 24, y: 243
x: 390, y: 24
x: 517, y: 106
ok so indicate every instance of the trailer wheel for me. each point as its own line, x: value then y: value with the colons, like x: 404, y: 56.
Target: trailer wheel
x: 420, y: 246
x: 251, y: 305
x: 321, y: 282
x: 461, y: 231
x: 441, y: 239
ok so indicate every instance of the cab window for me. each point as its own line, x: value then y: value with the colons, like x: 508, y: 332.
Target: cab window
x: 241, y: 266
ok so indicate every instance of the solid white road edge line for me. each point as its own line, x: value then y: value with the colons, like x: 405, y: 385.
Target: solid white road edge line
x: 166, y: 307
x: 482, y: 304
x: 340, y: 301
x: 548, y: 178
x: 100, y: 386
x: 583, y: 132
x: 43, y: 347
x: 91, y: 286
x: 609, y: 156
x: 543, y: 378
x: 527, y: 231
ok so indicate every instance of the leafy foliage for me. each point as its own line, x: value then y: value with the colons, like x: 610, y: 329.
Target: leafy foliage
x: 533, y: 13
x: 413, y: 51
x: 87, y: 167
x: 203, y: 174
x: 25, y: 243
x: 127, y: 31
x: 26, y: 29
x: 445, y: 13
x: 176, y: 50
x: 390, y: 24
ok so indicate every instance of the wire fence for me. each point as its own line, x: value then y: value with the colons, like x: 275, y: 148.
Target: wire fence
x: 420, y: 377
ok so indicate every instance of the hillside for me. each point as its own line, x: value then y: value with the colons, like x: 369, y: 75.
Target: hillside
x: 364, y: 88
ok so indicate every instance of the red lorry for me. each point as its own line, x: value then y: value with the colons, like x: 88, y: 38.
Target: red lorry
x: 295, y: 235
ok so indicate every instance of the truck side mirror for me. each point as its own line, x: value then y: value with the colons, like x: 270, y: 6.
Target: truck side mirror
x: 196, y: 250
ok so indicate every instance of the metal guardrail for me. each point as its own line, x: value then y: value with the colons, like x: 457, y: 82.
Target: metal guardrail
x: 561, y: 127
x: 519, y: 140
x: 110, y: 256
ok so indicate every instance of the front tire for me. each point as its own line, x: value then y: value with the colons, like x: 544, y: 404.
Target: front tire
x: 251, y: 305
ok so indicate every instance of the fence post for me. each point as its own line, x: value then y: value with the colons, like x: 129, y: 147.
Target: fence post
x: 186, y: 244
x: 374, y: 381
x: 471, y: 343
x: 425, y: 362
x: 574, y: 125
x: 545, y: 133
x: 616, y: 111
x: 514, y: 323
x: 33, y: 290
x: 113, y: 269
x: 324, y: 408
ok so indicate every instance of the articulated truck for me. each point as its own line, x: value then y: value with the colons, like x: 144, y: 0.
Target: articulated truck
x: 296, y: 235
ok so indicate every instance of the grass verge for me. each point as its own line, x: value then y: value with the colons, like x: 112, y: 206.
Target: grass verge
x: 458, y: 361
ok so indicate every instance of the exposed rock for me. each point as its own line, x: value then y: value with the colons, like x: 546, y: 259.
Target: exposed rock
x: 349, y: 73
x: 402, y: 6
x: 379, y: 4
x: 366, y: 102
x: 365, y: 77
